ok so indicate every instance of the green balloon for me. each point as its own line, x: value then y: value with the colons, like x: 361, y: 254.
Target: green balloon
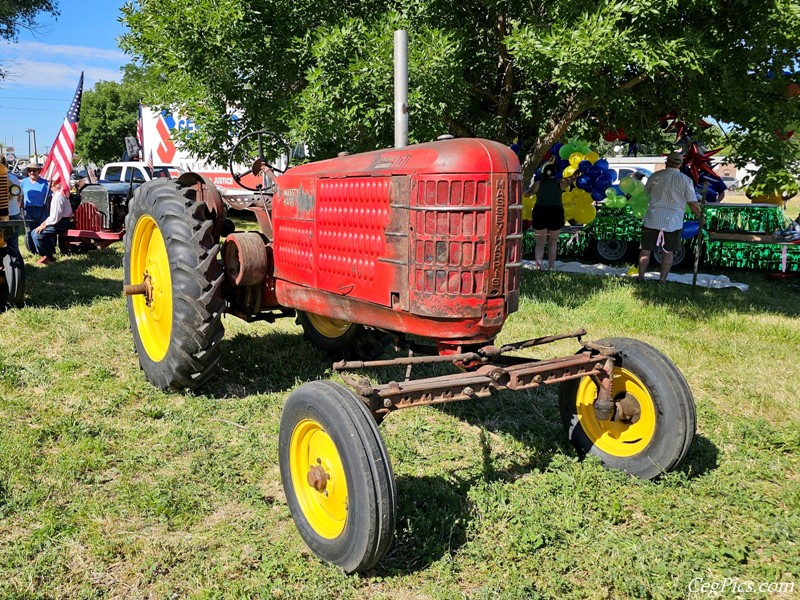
x: 627, y: 185
x: 565, y: 151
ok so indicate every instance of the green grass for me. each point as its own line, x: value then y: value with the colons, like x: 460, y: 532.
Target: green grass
x: 111, y: 488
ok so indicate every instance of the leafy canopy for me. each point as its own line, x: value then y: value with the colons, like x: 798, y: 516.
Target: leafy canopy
x: 534, y: 71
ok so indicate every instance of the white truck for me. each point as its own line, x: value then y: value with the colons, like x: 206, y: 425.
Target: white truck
x: 136, y: 172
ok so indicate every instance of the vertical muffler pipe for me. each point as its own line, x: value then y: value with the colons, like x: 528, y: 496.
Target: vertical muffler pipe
x: 400, y: 89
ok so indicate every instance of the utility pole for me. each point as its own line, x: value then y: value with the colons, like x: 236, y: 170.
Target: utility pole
x: 35, y: 154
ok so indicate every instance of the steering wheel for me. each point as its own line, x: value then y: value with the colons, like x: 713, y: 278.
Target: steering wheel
x: 259, y: 153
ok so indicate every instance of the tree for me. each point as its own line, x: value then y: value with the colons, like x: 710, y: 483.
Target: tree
x: 17, y: 14
x: 109, y: 112
x: 509, y: 70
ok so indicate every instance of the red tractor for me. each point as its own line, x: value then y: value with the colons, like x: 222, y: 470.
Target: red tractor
x: 420, y: 241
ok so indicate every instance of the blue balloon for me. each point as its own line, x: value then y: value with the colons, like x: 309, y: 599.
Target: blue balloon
x: 613, y: 174
x: 602, y: 163
x: 604, y: 181
x: 595, y: 172
x: 584, y: 166
x: 598, y: 195
x: 690, y: 229
x: 583, y: 182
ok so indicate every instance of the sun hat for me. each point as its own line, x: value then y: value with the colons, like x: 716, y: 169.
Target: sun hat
x: 33, y: 165
x: 675, y: 159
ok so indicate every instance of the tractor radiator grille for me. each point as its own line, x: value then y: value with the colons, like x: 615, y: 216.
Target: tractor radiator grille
x: 88, y: 218
x: 4, y: 194
x: 466, y: 240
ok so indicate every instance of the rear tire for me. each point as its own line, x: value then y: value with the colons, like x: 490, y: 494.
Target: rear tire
x: 337, y: 476
x: 12, y: 291
x: 660, y: 439
x: 170, y: 237
x: 342, y: 339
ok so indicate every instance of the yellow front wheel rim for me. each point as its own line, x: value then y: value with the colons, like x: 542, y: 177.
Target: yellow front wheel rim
x: 617, y: 438
x: 330, y: 328
x: 149, y: 258
x: 312, y: 448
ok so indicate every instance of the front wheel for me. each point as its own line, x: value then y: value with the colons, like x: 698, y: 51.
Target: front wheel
x: 679, y: 257
x: 646, y: 384
x: 610, y: 251
x: 173, y: 280
x: 336, y: 476
x: 342, y: 339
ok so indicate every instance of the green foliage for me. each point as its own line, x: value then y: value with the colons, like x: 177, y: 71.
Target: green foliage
x: 16, y: 14
x: 108, y: 114
x: 320, y: 72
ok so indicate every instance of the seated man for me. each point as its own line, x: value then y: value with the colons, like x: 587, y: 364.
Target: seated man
x: 57, y: 221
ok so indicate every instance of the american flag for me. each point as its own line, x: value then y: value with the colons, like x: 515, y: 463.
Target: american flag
x: 140, y: 132
x: 150, y: 161
x: 58, y: 164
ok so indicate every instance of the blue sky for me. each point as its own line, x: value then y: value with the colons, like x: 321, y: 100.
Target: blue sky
x: 44, y: 66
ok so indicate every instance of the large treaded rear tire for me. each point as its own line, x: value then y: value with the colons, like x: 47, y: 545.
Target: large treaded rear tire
x: 170, y: 235
x: 12, y: 291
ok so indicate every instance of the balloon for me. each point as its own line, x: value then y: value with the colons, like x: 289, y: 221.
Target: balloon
x: 595, y: 172
x: 690, y: 229
x: 610, y: 136
x: 627, y: 185
x: 638, y: 213
x: 638, y: 188
x: 569, y: 210
x: 592, y: 157
x: 565, y: 151
x: 575, y: 159
x: 584, y: 166
x: 583, y: 182
x: 569, y: 171
x: 612, y: 173
x: 621, y: 201
x: 602, y: 163
x: 598, y: 195
x: 585, y: 214
x: 604, y: 181
x: 610, y: 193
x: 556, y: 147
x: 582, y: 197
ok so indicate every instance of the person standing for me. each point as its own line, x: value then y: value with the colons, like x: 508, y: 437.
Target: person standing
x: 58, y: 221
x: 34, y: 196
x: 14, y: 210
x: 670, y: 191
x: 547, y: 217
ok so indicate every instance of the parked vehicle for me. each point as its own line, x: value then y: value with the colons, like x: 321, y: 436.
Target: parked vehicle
x: 12, y: 268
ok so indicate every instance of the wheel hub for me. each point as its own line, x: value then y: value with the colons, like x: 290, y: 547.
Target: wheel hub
x: 628, y: 409
x: 142, y: 289
x: 317, y: 477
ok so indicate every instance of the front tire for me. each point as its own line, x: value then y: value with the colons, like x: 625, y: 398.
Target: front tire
x: 679, y: 257
x: 337, y: 476
x: 169, y: 239
x: 342, y: 339
x: 610, y: 251
x: 660, y: 439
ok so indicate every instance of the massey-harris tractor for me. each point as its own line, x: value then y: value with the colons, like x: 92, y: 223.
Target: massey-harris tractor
x: 420, y: 241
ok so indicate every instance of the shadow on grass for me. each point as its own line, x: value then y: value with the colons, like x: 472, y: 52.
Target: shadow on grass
x: 702, y: 458
x: 572, y: 290
x: 263, y: 364
x: 67, y: 282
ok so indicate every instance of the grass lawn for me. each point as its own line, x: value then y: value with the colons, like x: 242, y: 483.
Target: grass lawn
x: 111, y: 488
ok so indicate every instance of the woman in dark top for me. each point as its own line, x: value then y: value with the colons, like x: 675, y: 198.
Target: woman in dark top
x: 548, y: 214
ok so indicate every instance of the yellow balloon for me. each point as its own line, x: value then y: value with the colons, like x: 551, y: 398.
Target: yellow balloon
x: 574, y: 160
x: 584, y: 213
x: 592, y: 157
x: 569, y: 211
x: 569, y: 171
x: 527, y: 206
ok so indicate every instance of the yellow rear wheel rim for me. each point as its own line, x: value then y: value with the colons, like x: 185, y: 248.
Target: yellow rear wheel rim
x: 617, y: 438
x: 325, y: 511
x: 149, y: 257
x: 330, y: 328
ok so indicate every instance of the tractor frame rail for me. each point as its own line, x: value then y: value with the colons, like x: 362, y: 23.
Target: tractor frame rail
x: 488, y: 371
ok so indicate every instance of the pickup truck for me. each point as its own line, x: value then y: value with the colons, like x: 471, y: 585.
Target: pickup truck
x: 137, y: 172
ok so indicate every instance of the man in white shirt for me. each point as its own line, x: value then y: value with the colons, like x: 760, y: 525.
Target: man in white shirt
x: 58, y: 221
x: 670, y: 191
